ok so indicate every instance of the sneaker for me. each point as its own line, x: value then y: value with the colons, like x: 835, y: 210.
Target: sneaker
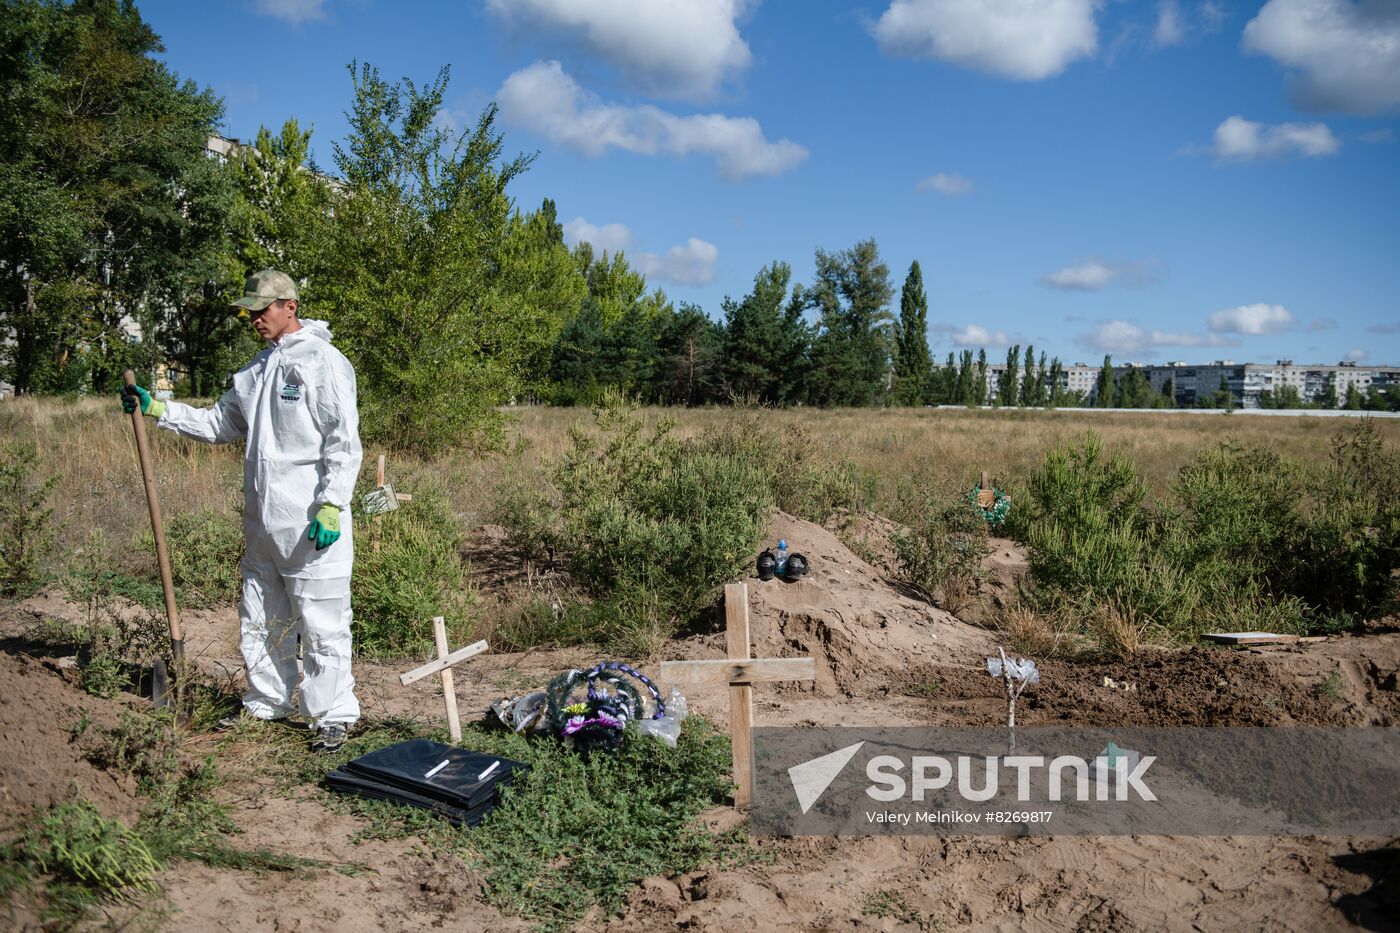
x: 329, y: 738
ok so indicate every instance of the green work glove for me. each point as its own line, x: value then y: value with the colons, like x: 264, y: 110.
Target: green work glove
x: 325, y: 527
x: 135, y: 395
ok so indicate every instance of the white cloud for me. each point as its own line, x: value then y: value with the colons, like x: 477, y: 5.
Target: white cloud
x: 545, y: 100
x: 1170, y: 30
x: 1255, y: 319
x: 973, y: 335
x: 1383, y: 135
x: 1096, y: 274
x: 1025, y: 40
x: 1356, y: 355
x: 1346, y: 56
x: 1241, y: 140
x: 1385, y: 328
x: 692, y: 263
x: 1127, y: 337
x: 949, y: 183
x: 685, y: 48
x: 608, y: 238
x: 293, y: 11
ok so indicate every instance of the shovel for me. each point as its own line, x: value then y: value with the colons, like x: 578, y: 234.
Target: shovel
x: 160, y: 679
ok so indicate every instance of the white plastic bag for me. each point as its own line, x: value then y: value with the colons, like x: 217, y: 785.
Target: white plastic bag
x: 668, y: 727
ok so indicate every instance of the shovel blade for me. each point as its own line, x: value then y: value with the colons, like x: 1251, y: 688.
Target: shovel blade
x: 160, y: 684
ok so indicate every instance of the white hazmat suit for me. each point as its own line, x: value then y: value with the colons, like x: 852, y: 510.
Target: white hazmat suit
x: 295, y: 405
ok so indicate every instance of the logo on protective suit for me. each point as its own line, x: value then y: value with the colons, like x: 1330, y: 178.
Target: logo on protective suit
x: 291, y: 392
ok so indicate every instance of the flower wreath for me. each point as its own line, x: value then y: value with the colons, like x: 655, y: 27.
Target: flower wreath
x: 597, y: 720
x: 1001, y: 505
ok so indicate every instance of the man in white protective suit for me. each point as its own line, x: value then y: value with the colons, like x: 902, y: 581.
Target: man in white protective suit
x: 294, y: 404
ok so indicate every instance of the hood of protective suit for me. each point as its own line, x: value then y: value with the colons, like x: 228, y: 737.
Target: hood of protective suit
x: 310, y: 329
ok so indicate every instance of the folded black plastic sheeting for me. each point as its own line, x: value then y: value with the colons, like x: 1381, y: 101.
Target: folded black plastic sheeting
x: 456, y: 777
x: 344, y: 781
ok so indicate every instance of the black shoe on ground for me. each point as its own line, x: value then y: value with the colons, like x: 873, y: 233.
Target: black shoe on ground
x: 329, y: 738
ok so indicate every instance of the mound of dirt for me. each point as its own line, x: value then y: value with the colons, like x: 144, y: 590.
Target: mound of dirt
x: 39, y: 709
x: 862, y: 630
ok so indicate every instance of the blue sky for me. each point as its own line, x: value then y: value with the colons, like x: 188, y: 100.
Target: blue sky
x: 1158, y: 180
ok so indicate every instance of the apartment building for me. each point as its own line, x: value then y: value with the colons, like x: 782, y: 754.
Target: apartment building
x: 1187, y: 383
x: 1248, y: 381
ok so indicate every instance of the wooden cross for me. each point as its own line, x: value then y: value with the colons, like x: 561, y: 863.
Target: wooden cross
x: 986, y: 493
x: 443, y: 663
x: 398, y: 497
x: 740, y: 672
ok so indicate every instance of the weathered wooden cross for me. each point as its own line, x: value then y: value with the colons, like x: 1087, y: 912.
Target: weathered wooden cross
x: 740, y: 672
x: 443, y: 663
x: 986, y: 492
x: 382, y: 499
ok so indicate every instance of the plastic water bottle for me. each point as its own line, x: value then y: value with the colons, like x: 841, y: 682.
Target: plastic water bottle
x: 782, y: 556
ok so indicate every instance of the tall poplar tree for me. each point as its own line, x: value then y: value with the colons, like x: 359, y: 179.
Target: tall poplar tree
x: 913, y: 361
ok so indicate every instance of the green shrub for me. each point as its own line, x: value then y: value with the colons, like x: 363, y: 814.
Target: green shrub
x: 206, y: 548
x: 416, y: 573
x: 1249, y: 540
x: 26, y: 538
x: 104, y: 675
x: 808, y: 474
x: 942, y: 543
x: 651, y: 526
x: 1350, y: 548
x: 77, y: 845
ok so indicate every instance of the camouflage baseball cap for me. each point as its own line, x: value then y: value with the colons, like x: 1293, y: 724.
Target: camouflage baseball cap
x: 265, y: 287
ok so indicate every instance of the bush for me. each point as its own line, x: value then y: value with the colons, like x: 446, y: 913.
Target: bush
x: 25, y: 534
x: 807, y: 473
x: 1249, y: 540
x: 649, y: 526
x: 78, y: 846
x: 941, y: 545
x: 416, y: 573
x: 206, y: 548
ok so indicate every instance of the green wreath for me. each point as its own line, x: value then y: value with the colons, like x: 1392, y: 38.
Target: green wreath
x: 1001, y: 505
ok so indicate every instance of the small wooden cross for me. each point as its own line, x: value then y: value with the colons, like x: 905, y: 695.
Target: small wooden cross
x: 986, y: 492
x: 391, y: 501
x: 740, y: 672
x: 443, y: 663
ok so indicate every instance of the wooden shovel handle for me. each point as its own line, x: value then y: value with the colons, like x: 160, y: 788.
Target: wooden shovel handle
x: 167, y: 582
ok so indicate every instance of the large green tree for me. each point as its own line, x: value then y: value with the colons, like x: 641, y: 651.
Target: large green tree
x: 851, y: 351
x: 766, y: 340
x: 107, y: 211
x: 411, y: 275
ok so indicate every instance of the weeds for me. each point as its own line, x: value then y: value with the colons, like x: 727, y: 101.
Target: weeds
x: 892, y: 904
x: 1330, y: 687
x: 26, y: 534
x: 408, y: 569
x: 649, y: 526
x: 941, y: 547
x: 571, y: 834
x: 78, y: 846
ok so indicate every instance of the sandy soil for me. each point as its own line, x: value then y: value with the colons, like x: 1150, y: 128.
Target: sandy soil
x: 883, y: 656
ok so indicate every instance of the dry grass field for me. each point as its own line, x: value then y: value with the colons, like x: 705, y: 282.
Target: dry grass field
x: 88, y: 445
